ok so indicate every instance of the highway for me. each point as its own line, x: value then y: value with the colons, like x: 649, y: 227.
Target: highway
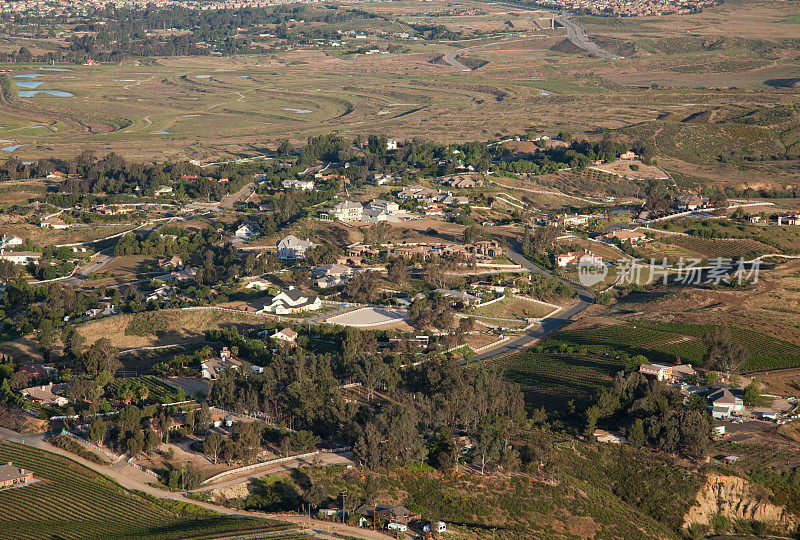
x: 585, y: 296
x: 578, y: 37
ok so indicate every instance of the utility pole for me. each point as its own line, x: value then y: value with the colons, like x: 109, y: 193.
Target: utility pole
x: 344, y: 499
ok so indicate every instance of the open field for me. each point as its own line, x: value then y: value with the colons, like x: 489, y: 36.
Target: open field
x: 71, y: 501
x: 707, y: 83
x: 512, y: 307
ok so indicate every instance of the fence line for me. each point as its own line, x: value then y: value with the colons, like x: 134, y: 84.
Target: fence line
x: 143, y: 469
x: 257, y: 465
x: 90, y: 444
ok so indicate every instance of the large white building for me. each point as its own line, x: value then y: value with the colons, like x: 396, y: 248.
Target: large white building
x: 292, y: 248
x: 347, y: 211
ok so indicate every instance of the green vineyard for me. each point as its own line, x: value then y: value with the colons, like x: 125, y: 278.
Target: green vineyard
x: 71, y: 501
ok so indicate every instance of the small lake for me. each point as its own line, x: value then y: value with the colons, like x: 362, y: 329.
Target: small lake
x: 191, y: 115
x: 54, y: 69
x: 202, y: 76
x: 160, y: 133
x: 12, y: 148
x: 28, y: 75
x: 29, y: 84
x: 298, y: 111
x: 54, y: 93
x: 36, y: 126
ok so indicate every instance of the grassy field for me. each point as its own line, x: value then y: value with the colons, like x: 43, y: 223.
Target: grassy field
x: 514, y: 307
x: 251, y: 101
x: 73, y: 502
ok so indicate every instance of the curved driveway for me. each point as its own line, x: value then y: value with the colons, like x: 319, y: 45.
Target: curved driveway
x: 585, y: 296
x: 578, y: 36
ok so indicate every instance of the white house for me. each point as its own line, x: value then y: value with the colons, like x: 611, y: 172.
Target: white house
x: 390, y: 207
x: 8, y: 240
x: 247, y: 231
x: 53, y: 222
x: 164, y: 190
x: 331, y: 275
x: 347, y: 211
x: 292, y: 248
x: 578, y: 257
x: 294, y: 183
x: 291, y: 301
x: 613, y: 437
x: 286, y: 335
x: 382, y: 179
x: 574, y: 219
x: 20, y: 257
x: 391, y: 144
x: 724, y: 403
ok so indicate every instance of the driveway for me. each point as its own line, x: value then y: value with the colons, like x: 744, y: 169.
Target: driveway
x: 585, y: 296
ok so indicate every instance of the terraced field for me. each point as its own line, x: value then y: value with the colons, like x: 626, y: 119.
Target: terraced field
x: 73, y: 502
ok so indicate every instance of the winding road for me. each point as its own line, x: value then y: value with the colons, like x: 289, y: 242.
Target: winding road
x: 578, y: 37
x: 585, y: 299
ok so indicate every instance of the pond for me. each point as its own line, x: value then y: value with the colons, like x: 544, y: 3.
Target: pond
x: 29, y: 84
x: 160, y: 133
x: 298, y: 111
x: 54, y: 69
x: 191, y: 115
x: 12, y: 148
x: 28, y: 75
x: 202, y: 76
x: 54, y: 93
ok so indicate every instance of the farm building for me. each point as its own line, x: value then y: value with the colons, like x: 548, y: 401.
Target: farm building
x: 11, y: 475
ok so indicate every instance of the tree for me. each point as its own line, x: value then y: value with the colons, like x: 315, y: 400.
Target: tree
x: 724, y: 353
x: 719, y: 202
x: 752, y: 393
x: 97, y: 430
x: 212, y: 445
x: 363, y: 287
x: 370, y: 372
x: 657, y: 196
x: 101, y: 356
x: 636, y: 435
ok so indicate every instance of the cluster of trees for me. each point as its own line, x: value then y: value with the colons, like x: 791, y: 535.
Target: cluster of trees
x: 653, y: 414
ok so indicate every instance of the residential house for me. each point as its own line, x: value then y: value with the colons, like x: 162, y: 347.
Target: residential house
x: 20, y: 257
x: 724, y: 402
x: 390, y: 207
x: 48, y: 394
x: 613, y: 437
x: 58, y: 175
x: 659, y: 372
x: 171, y: 263
x: 462, y: 182
x: 573, y: 220
x: 11, y: 475
x: 53, y: 222
x: 9, y: 240
x: 289, y: 302
x: 689, y: 202
x: 396, y: 514
x: 662, y: 372
x: 292, y: 248
x: 186, y: 274
x: 391, y: 144
x: 347, y: 211
x: 382, y: 179
x: 163, y: 292
x: 294, y: 183
x: 635, y: 238
x: 247, y: 231
x: 583, y: 258
x: 37, y: 371
x: 331, y: 275
x: 211, y: 368
x: 164, y: 190
x: 628, y: 155
x: 755, y: 219
x: 374, y: 215
x: 459, y: 296
x: 258, y: 285
x: 287, y: 335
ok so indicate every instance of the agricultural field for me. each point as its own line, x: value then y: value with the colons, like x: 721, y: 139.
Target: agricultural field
x: 666, y: 342
x: 552, y: 377
x: 158, y: 391
x: 71, y: 501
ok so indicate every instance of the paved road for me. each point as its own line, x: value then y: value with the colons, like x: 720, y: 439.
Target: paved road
x: 450, y: 58
x: 578, y: 36
x: 121, y: 476
x: 585, y: 296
